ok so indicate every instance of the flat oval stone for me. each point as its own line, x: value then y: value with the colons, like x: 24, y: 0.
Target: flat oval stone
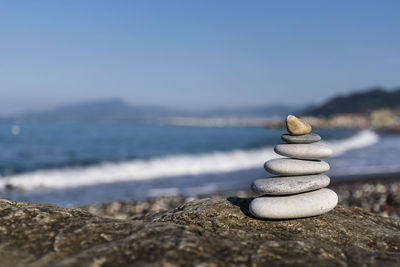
x: 291, y: 167
x: 301, y: 139
x: 295, y: 206
x: 303, y: 151
x: 296, y: 126
x: 290, y: 185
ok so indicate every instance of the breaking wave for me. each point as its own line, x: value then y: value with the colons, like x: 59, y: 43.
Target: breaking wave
x: 362, y: 139
x: 163, y: 167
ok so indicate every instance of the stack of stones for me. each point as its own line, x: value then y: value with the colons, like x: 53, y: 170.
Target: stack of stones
x: 298, y: 190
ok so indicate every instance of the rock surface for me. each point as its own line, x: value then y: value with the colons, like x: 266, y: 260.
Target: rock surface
x: 294, y: 206
x: 301, y: 139
x: 206, y: 232
x: 296, y: 126
x: 290, y: 185
x: 303, y: 151
x: 291, y: 167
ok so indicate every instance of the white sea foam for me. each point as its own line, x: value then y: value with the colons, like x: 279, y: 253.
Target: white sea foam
x: 162, y: 167
x: 360, y: 140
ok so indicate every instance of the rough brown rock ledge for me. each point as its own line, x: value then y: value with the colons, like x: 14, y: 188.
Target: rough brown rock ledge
x: 206, y: 232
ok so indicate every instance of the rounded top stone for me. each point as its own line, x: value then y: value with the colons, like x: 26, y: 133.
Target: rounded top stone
x: 296, y: 126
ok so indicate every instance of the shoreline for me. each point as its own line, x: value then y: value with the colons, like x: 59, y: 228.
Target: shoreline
x: 376, y: 194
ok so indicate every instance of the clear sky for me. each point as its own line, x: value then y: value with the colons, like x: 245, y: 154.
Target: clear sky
x: 196, y: 54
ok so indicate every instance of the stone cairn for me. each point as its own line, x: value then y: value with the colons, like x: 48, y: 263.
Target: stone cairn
x: 298, y: 190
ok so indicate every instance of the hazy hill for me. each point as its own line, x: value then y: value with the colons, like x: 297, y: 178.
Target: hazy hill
x: 104, y: 110
x: 357, y: 103
x: 117, y: 110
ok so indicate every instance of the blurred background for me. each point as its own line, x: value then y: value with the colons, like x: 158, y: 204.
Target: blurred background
x: 116, y: 100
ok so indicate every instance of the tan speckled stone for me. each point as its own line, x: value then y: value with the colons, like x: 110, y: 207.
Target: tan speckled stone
x: 296, y: 126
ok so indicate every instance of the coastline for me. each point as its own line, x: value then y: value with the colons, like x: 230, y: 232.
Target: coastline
x: 378, y: 194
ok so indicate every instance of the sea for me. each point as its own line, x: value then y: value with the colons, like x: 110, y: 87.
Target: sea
x: 72, y: 164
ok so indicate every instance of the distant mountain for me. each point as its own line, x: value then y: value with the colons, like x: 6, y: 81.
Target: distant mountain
x: 117, y: 110
x: 105, y: 110
x: 357, y: 103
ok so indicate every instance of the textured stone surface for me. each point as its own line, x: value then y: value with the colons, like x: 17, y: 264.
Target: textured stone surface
x: 294, y: 206
x: 206, y: 232
x: 296, y: 126
x: 289, y: 185
x: 303, y: 151
x: 291, y: 167
x: 301, y: 139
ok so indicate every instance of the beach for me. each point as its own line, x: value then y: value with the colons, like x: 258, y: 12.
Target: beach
x: 199, y: 133
x: 379, y: 195
x: 104, y: 163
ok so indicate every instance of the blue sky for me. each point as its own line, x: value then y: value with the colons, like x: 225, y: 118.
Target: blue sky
x: 194, y: 54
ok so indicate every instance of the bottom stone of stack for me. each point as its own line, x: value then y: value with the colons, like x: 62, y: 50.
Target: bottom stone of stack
x: 294, y: 206
x: 290, y: 185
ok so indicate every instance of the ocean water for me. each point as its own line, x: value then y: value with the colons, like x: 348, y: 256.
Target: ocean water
x: 78, y: 163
